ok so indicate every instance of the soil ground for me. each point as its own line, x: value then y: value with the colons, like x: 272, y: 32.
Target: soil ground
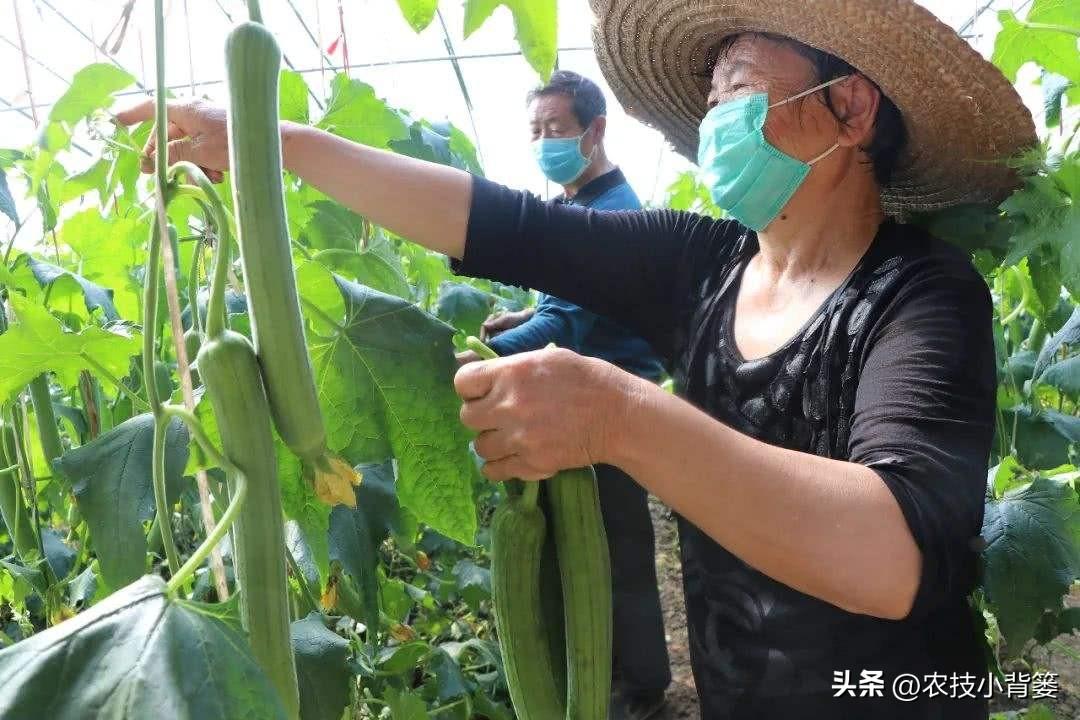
x: 682, y: 697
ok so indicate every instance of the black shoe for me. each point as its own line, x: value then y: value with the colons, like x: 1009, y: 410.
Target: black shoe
x: 636, y: 707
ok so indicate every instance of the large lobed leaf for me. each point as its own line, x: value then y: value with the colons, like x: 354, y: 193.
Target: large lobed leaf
x: 385, y: 378
x: 112, y: 478
x: 38, y: 343
x: 137, y: 654
x: 91, y: 89
x: 322, y: 669
x: 1056, y: 51
x: 535, y: 22
x: 356, y: 113
x: 418, y: 13
x: 1032, y: 555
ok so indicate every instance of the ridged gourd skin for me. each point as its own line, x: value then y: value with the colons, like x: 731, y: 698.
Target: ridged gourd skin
x: 585, y: 570
x: 13, y: 510
x: 518, y: 530
x: 253, y: 60
x: 230, y: 374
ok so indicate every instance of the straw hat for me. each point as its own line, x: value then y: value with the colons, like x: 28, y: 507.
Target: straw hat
x: 962, y: 115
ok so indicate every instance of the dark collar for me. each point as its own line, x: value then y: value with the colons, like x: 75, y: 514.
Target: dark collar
x: 596, y: 187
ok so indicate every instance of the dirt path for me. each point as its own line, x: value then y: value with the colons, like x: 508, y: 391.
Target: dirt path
x: 682, y: 698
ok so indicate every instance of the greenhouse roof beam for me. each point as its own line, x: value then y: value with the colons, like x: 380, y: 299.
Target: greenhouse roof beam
x: 90, y: 40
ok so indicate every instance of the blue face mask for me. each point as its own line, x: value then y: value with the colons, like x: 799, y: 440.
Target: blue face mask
x: 746, y: 175
x: 561, y: 159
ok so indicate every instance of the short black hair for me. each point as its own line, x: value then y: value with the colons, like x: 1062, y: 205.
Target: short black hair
x: 588, y: 98
x: 890, y: 134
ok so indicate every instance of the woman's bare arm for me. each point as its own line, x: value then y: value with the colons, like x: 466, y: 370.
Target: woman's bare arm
x: 424, y: 202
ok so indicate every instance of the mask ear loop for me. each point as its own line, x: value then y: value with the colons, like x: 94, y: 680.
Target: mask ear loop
x: 811, y: 91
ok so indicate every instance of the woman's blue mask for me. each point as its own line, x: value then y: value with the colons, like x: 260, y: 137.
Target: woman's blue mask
x: 561, y: 159
x: 746, y: 175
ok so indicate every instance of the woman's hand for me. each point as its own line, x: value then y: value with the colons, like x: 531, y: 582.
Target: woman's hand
x: 197, y: 133
x: 543, y: 411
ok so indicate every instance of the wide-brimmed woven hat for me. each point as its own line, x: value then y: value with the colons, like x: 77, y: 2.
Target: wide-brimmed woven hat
x: 963, y: 116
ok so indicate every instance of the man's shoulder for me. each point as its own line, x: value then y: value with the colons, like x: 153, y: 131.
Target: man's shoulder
x: 618, y: 197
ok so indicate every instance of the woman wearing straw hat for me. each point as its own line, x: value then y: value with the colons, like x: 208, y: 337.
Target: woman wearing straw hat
x: 835, y: 366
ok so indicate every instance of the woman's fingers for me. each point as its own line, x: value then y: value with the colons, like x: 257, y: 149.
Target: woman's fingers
x: 197, y: 133
x: 474, y: 380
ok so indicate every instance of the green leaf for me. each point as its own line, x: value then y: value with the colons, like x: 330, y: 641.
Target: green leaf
x: 292, y: 96
x: 377, y: 496
x: 385, y: 380
x: 402, y: 658
x: 1032, y: 555
x: 418, y: 13
x: 112, y: 480
x: 449, y: 681
x: 1069, y: 334
x: 1056, y: 51
x: 298, y: 500
x: 7, y: 203
x: 322, y: 669
x: 136, y: 654
x: 473, y: 582
x: 1065, y: 376
x: 94, y: 296
x: 352, y: 543
x: 1042, y: 439
x: 463, y: 306
x: 405, y: 705
x: 111, y: 253
x: 39, y: 343
x: 536, y: 25
x: 356, y: 113
x: 1054, y: 88
x: 91, y: 89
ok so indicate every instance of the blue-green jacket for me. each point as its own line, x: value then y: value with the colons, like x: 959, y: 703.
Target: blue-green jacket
x: 567, y: 325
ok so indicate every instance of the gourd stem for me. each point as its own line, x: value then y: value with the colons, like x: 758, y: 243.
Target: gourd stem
x: 220, y: 528
x: 301, y: 580
x: 254, y: 12
x: 530, y: 493
x: 473, y: 343
x: 161, y: 503
x: 150, y: 302
x: 193, y: 281
x: 204, y: 191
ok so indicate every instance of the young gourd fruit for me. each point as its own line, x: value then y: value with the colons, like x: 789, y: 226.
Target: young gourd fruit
x: 253, y: 60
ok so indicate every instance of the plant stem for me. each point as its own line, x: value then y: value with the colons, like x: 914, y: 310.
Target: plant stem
x: 220, y: 528
x: 321, y: 314
x: 193, y: 287
x: 1052, y: 27
x: 161, y: 422
x: 474, y: 344
x: 254, y: 12
x: 215, y: 311
x: 18, y: 425
x: 134, y: 397
x: 530, y: 492
x: 150, y: 303
x: 301, y: 579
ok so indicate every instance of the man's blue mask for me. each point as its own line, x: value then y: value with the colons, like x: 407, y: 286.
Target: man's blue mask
x: 746, y: 175
x: 561, y: 159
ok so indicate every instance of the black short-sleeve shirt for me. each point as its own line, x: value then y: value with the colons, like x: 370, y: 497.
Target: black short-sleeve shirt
x: 894, y: 371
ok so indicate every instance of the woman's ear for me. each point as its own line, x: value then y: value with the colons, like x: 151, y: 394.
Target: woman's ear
x: 856, y: 101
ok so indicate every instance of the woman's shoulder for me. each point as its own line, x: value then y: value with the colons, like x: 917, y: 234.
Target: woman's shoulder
x: 914, y: 262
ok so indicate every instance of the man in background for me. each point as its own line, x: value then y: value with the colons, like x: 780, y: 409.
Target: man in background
x: 568, y: 121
